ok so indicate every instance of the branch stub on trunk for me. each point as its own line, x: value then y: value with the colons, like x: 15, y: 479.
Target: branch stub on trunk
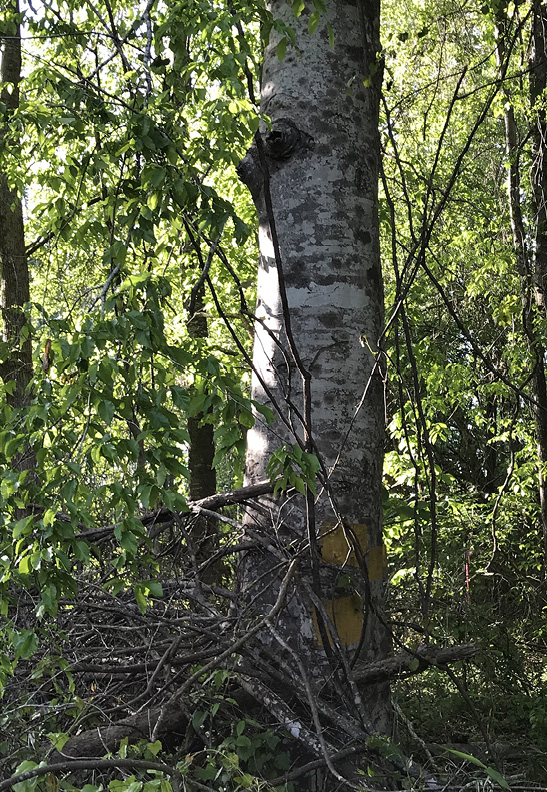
x: 280, y: 143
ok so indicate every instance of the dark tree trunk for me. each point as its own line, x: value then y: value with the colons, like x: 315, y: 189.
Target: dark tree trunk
x: 17, y: 366
x: 203, y: 479
x: 538, y: 84
x: 531, y: 265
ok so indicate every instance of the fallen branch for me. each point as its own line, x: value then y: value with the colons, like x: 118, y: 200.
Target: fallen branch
x: 92, y: 764
x: 102, y: 740
x: 414, y: 661
x: 215, y: 663
x: 159, y: 520
x: 213, y: 502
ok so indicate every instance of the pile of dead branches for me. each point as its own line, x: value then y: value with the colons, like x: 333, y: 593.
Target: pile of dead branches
x: 186, y: 668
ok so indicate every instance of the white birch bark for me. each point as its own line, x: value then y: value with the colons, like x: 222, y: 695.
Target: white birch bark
x: 322, y: 158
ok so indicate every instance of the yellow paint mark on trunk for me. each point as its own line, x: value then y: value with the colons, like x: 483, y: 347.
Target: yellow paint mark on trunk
x: 336, y: 546
x: 377, y: 562
x: 337, y: 543
x: 346, y: 614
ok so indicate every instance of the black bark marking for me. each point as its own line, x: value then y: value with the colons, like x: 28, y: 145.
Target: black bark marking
x: 285, y: 140
x: 363, y: 236
x: 281, y: 143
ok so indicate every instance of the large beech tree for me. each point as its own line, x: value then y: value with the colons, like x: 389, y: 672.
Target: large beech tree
x: 317, y: 358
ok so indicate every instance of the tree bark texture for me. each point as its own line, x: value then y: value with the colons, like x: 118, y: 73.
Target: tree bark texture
x: 313, y: 177
x: 202, y: 481
x: 14, y: 292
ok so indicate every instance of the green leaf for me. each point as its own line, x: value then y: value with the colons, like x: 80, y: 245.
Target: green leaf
x: 497, y: 777
x: 467, y: 757
x: 58, y: 739
x: 114, y: 586
x: 158, y: 177
x: 22, y: 527
x: 313, y: 22
x: 241, y: 725
x: 246, y: 780
x: 198, y: 719
x: 148, y: 495
x: 129, y: 542
x: 246, y: 419
x: 298, y: 484
x: 24, y: 565
x: 154, y: 588
x: 106, y: 411
x: 153, y: 200
x: 154, y: 748
x: 13, y: 445
x: 25, y: 644
x: 281, y: 48
x: 490, y: 771
x: 26, y: 786
x: 311, y: 462
x: 87, y: 347
x: 267, y: 412
x: 69, y: 490
x: 140, y: 597
x: 122, y: 749
x: 81, y: 550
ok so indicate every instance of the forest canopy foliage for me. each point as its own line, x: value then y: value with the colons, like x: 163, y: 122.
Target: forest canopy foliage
x: 120, y: 138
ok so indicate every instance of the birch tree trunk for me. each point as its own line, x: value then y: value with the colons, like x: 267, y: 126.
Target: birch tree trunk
x: 317, y: 361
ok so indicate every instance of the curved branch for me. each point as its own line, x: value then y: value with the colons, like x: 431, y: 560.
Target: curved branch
x: 92, y: 764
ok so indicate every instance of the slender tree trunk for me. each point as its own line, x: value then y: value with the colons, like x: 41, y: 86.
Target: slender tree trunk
x: 14, y: 292
x: 531, y: 263
x: 538, y: 84
x: 313, y: 178
x: 16, y: 366
x: 203, y: 480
